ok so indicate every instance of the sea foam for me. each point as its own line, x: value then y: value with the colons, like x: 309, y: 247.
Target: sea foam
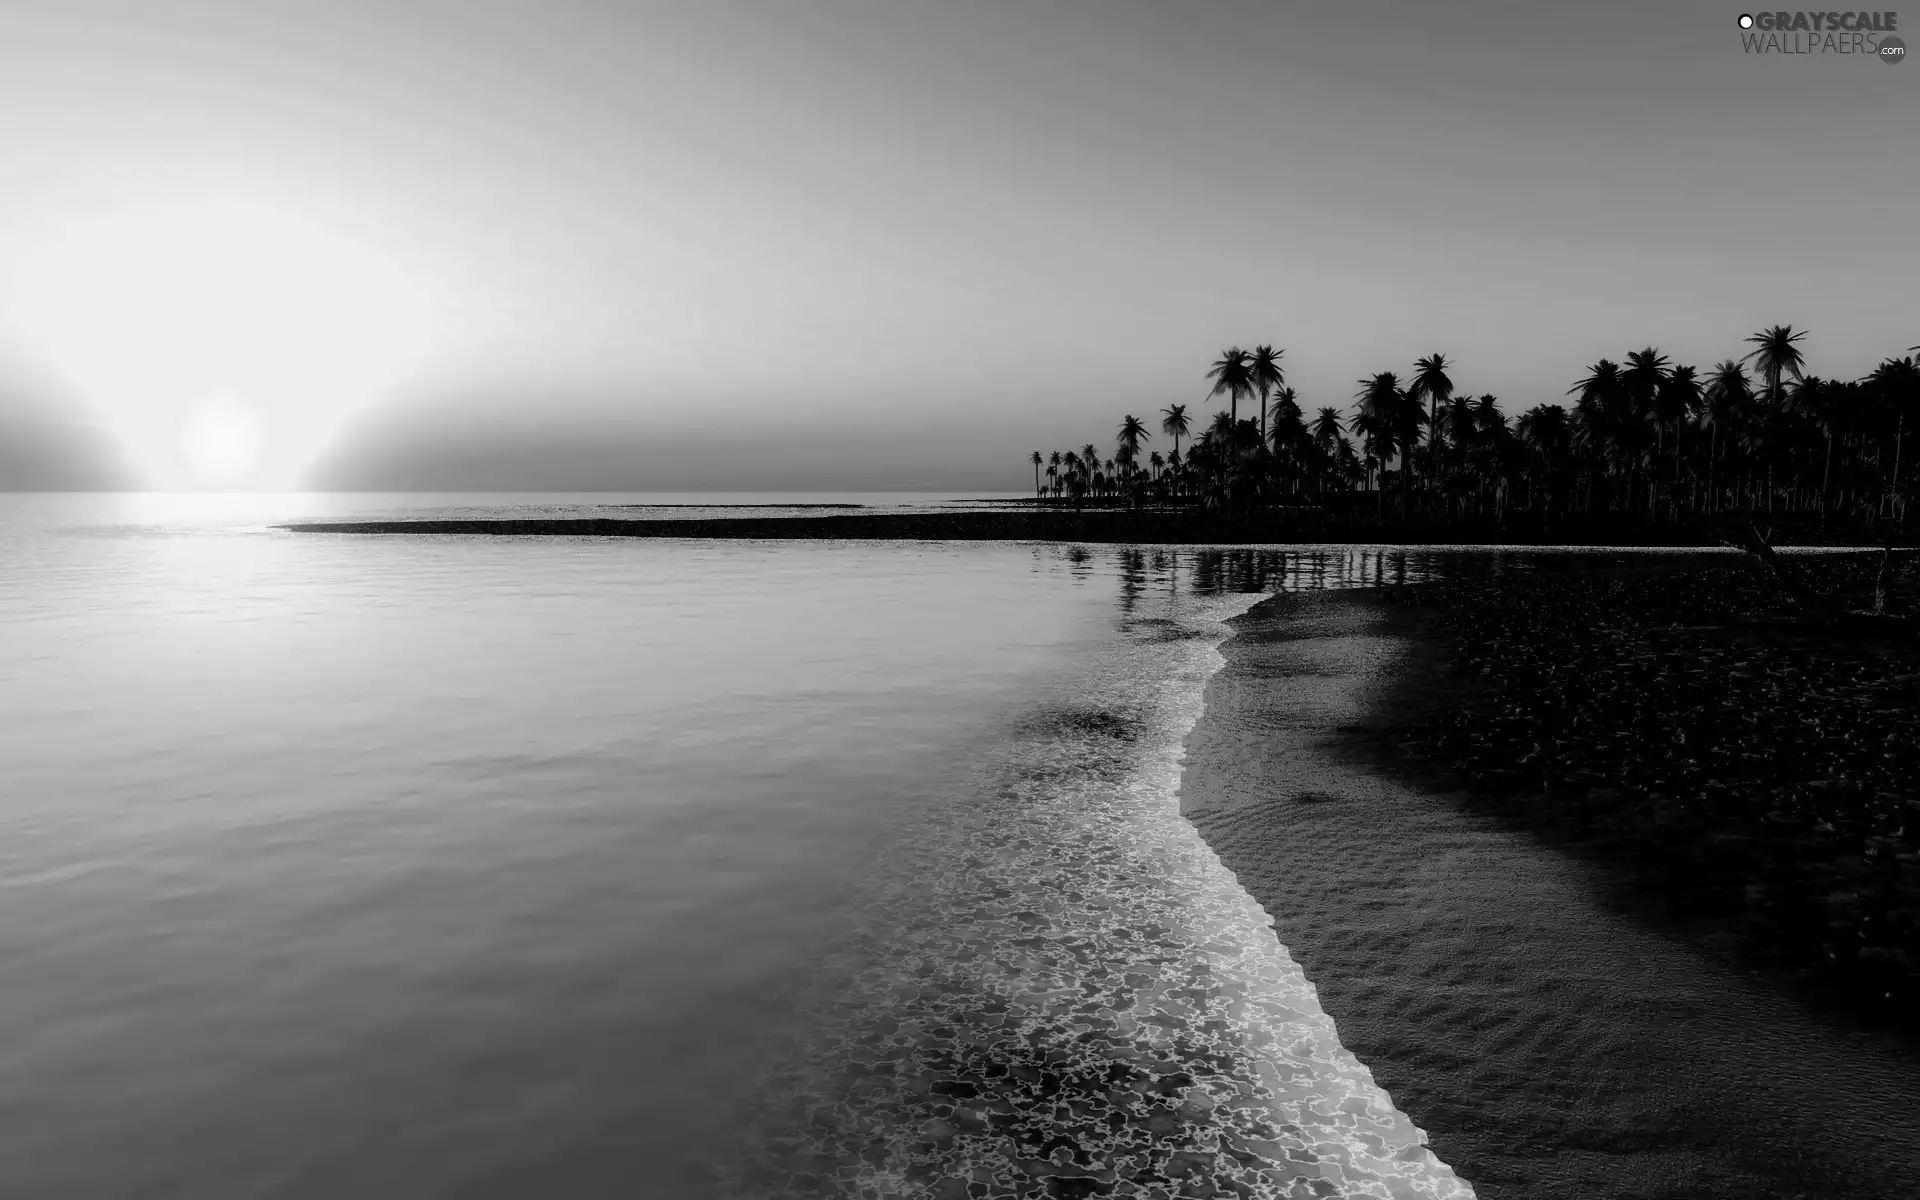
x: 1057, y: 988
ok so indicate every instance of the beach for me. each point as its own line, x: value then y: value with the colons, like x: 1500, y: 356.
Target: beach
x: 1549, y: 1044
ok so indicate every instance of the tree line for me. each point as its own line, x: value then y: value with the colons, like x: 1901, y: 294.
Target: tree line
x: 1643, y: 437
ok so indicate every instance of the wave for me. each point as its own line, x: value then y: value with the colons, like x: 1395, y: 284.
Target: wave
x: 1055, y: 987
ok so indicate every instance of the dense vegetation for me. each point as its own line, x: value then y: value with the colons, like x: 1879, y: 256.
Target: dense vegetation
x: 1646, y: 439
x: 1754, y: 764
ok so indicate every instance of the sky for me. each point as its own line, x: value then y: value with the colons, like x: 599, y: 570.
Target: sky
x: 813, y: 244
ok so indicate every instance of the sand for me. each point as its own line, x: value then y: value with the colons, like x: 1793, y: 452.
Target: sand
x: 1550, y: 1045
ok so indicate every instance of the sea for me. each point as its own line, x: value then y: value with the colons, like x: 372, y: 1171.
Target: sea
x: 422, y: 866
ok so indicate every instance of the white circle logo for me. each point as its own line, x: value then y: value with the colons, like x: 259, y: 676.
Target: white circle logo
x: 1746, y: 20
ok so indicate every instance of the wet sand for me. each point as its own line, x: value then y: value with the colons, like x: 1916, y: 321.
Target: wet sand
x: 1550, y: 1045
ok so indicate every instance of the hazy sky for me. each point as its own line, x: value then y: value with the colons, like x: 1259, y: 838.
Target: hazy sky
x: 816, y: 244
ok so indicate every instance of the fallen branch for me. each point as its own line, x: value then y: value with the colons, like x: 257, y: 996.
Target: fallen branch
x: 1754, y: 542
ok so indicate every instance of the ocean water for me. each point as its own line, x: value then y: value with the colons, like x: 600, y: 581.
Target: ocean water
x: 421, y: 867
x: 151, y: 511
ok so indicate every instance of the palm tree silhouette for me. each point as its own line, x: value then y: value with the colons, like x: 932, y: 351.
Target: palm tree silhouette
x: 1776, y: 354
x: 1325, y: 432
x: 1728, y: 392
x: 1036, y: 474
x: 1232, y: 373
x: 1327, y: 427
x: 1817, y: 401
x: 1896, y: 385
x: 1383, y: 419
x: 1221, y: 431
x: 1640, y: 384
x: 1175, y: 424
x: 1131, y: 432
x: 1430, y: 382
x: 1676, y: 401
x: 1626, y: 442
x: 1645, y: 371
x: 1264, y: 374
x: 1545, y: 430
x: 1287, y: 436
x: 1601, y: 408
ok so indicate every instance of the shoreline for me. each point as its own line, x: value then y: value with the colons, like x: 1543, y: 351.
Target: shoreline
x: 1138, y: 528
x: 1550, y: 1045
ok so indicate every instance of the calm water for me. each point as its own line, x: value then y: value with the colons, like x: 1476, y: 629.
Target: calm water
x: 384, y: 866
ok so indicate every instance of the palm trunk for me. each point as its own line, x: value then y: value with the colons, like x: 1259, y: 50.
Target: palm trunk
x: 1826, y: 477
x: 1899, y: 431
x: 1713, y: 445
x: 1433, y: 441
x: 1676, y: 475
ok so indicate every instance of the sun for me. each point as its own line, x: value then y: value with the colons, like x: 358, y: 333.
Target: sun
x: 223, y: 343
x: 220, y: 439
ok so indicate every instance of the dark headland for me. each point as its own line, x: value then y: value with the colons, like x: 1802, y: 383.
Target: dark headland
x: 1176, y: 527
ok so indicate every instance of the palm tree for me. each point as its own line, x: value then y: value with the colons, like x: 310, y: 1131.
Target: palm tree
x: 1544, y: 430
x: 1408, y: 419
x: 1640, y: 382
x: 1264, y: 374
x: 1487, y: 416
x: 1675, y: 402
x: 1232, y: 374
x: 1037, y: 460
x: 1077, y: 484
x: 1896, y: 384
x: 1728, y: 392
x: 1221, y: 432
x: 1284, y: 453
x: 1347, y: 462
x: 1131, y: 433
x: 1645, y: 371
x: 1175, y: 425
x: 1430, y: 382
x: 1383, y: 417
x: 1812, y: 401
x: 1599, y: 411
x: 1491, y: 454
x: 1324, y: 432
x: 1776, y: 355
x: 1327, y: 427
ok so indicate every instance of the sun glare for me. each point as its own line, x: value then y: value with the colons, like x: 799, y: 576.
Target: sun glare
x: 224, y: 344
x: 221, y: 440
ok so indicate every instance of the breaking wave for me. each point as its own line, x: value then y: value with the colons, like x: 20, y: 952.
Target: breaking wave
x: 1055, y: 988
